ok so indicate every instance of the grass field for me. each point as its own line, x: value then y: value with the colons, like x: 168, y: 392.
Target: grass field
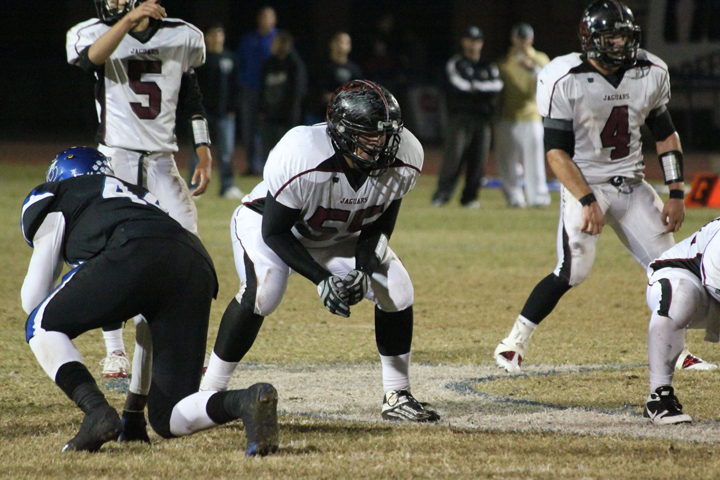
x: 575, y: 414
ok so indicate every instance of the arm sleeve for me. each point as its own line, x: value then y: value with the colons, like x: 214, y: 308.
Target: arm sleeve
x: 371, y: 244
x: 552, y: 99
x: 79, y: 38
x: 190, y: 98
x: 491, y: 85
x: 196, y: 49
x: 559, y: 134
x: 278, y: 221
x: 455, y: 78
x: 86, y: 64
x: 660, y: 123
x: 46, y: 262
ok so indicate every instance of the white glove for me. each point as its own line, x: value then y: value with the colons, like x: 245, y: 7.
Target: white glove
x: 357, y: 284
x: 334, y: 295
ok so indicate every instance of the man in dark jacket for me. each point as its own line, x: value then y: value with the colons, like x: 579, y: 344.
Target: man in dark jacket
x: 283, y: 87
x: 472, y: 89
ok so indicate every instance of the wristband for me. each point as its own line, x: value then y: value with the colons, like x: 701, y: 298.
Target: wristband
x: 201, y: 132
x: 588, y: 199
x: 672, y: 165
x: 677, y: 193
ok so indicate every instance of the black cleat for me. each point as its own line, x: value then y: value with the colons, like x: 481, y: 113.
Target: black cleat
x: 663, y: 408
x: 99, y: 426
x: 401, y: 405
x: 134, y: 427
x: 260, y: 418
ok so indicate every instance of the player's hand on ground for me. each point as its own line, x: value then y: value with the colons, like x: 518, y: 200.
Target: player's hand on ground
x: 357, y: 284
x: 673, y: 215
x: 148, y: 9
x: 593, y: 219
x: 334, y: 295
x: 203, y: 171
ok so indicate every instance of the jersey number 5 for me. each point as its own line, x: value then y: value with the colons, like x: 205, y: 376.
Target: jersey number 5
x: 135, y: 70
x: 616, y: 134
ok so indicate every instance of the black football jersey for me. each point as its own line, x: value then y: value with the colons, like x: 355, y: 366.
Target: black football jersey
x: 97, y: 208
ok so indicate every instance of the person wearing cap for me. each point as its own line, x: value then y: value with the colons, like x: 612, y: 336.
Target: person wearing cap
x: 472, y: 88
x: 520, y: 131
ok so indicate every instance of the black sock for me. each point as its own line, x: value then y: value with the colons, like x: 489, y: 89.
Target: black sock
x: 544, y: 297
x: 227, y: 406
x: 238, y: 329
x: 393, y: 331
x: 75, y: 380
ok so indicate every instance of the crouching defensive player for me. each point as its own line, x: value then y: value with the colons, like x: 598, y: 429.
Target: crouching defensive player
x: 128, y: 257
x: 326, y: 208
x: 683, y: 292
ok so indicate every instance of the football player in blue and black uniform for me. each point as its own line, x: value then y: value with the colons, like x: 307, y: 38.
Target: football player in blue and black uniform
x: 127, y: 257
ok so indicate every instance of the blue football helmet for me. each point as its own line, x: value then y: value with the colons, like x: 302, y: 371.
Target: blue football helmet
x: 77, y: 161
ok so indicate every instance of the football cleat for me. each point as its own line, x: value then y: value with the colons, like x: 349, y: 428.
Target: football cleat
x: 663, y: 408
x: 510, y: 360
x: 115, y: 365
x: 688, y: 361
x: 260, y: 419
x: 233, y: 193
x: 134, y: 427
x: 99, y: 426
x: 401, y: 405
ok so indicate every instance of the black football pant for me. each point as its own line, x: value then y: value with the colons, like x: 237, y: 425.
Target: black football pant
x: 166, y: 281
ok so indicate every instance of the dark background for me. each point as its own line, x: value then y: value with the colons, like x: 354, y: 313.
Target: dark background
x: 41, y: 96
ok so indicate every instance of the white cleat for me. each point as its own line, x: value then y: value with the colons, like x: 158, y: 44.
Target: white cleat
x: 115, y: 365
x: 688, y: 361
x: 508, y: 358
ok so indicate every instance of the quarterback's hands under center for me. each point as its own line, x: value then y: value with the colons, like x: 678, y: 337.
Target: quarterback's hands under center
x: 334, y: 295
x: 203, y: 171
x: 673, y: 215
x: 593, y: 219
x: 357, y: 284
x: 146, y: 9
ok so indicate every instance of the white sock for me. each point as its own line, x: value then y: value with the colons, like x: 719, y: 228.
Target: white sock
x: 189, y: 415
x: 666, y: 340
x: 53, y: 350
x: 520, y: 334
x: 142, y: 358
x: 218, y: 374
x: 396, y: 372
x: 114, y: 341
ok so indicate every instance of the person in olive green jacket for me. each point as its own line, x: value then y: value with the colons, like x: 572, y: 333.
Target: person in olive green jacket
x: 519, y: 131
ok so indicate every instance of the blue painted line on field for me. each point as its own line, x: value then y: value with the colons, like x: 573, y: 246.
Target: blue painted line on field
x: 466, y: 387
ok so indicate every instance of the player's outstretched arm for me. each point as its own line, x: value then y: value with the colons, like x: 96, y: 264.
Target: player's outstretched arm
x: 673, y: 214
x: 104, y: 46
x: 572, y: 179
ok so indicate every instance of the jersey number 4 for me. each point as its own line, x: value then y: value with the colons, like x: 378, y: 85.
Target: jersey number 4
x: 136, y: 68
x: 616, y: 134
x: 114, y: 188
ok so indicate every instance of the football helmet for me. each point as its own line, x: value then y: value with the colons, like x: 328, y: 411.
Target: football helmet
x: 602, y: 23
x: 113, y: 10
x: 364, y: 118
x: 77, y: 161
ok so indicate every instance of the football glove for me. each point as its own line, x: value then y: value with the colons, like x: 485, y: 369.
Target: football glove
x: 334, y: 295
x: 357, y: 284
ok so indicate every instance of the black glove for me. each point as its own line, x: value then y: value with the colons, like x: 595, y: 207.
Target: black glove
x: 357, y: 284
x: 334, y: 295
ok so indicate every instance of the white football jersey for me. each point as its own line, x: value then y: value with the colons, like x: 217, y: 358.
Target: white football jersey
x: 303, y: 172
x: 699, y: 253
x: 137, y: 94
x: 606, y: 120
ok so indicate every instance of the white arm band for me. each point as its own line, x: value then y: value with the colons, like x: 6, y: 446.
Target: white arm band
x: 672, y: 165
x: 46, y: 262
x: 201, y: 132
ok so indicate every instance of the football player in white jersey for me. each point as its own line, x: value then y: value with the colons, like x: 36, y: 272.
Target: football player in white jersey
x: 593, y: 105
x: 326, y: 209
x: 683, y: 292
x: 143, y: 65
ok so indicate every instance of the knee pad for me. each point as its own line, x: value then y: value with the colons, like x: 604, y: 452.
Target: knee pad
x: 677, y: 299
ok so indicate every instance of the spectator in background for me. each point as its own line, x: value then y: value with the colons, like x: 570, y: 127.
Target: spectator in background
x: 472, y: 88
x: 520, y: 130
x: 252, y: 53
x: 283, y: 87
x: 327, y: 77
x: 217, y: 81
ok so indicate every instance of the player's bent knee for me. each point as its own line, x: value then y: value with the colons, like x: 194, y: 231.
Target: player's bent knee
x: 159, y: 420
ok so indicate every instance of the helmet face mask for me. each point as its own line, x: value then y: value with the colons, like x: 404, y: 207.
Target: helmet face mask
x: 364, y: 124
x: 78, y: 161
x: 113, y: 10
x: 608, y: 34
